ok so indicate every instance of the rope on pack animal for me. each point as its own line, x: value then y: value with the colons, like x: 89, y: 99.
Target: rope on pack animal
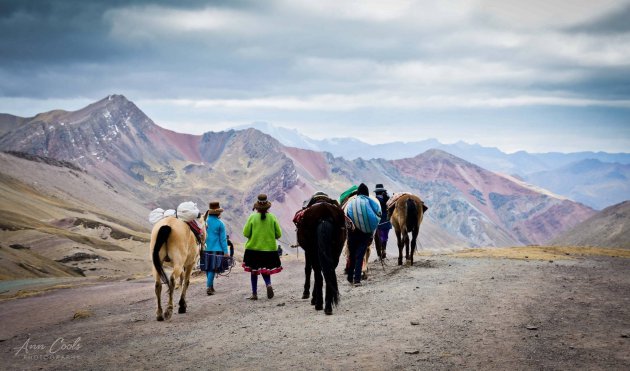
x: 229, y: 269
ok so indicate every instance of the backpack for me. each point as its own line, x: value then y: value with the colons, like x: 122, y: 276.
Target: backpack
x: 365, y: 213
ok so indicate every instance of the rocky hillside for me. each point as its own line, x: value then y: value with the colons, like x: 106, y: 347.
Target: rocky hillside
x: 114, y: 142
x: 58, y: 220
x: 319, y: 171
x: 473, y: 198
x: 111, y: 138
x: 608, y: 228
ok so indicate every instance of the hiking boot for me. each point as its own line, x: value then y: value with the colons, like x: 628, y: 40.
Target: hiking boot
x: 269, y: 292
x: 210, y: 290
x: 253, y: 297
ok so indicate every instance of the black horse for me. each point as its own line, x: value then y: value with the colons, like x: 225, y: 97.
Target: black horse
x: 321, y: 231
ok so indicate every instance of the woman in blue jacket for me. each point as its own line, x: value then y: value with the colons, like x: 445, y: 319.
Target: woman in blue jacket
x: 216, y: 240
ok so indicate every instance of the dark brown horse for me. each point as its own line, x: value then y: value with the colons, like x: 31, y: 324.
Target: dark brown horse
x: 321, y: 231
x: 408, y: 212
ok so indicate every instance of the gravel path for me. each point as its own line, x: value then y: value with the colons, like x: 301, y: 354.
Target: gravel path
x: 443, y: 313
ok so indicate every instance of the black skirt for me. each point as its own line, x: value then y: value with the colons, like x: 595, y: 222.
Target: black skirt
x: 262, y: 262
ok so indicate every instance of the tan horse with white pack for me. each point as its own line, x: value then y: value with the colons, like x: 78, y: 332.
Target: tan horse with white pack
x: 172, y: 240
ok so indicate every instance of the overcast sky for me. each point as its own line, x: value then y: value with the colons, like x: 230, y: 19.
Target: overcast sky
x: 538, y: 75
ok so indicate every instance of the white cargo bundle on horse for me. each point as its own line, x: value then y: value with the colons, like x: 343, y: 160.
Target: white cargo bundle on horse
x: 156, y: 215
x: 187, y: 211
x: 169, y: 212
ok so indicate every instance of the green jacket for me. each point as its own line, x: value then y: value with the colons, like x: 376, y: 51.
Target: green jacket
x: 262, y: 234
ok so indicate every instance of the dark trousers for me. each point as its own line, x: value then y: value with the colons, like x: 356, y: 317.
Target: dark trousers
x: 357, y: 245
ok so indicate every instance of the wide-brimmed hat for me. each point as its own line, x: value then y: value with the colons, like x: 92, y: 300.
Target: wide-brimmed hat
x: 379, y: 188
x: 262, y: 203
x: 214, y: 208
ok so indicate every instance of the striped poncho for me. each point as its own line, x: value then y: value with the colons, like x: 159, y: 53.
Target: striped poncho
x: 365, y: 213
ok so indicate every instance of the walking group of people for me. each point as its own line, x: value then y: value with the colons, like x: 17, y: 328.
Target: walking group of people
x: 262, y: 229
x: 261, y: 252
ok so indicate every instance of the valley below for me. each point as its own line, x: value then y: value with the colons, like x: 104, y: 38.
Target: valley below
x: 509, y: 308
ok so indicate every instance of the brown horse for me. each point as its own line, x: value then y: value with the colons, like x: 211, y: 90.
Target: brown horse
x: 321, y: 231
x: 406, y: 218
x: 172, y: 240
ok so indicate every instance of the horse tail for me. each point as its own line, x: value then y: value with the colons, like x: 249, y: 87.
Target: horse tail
x: 162, y: 236
x: 412, y: 215
x: 326, y: 260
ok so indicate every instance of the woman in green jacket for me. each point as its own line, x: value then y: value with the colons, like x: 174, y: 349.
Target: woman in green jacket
x: 261, y: 251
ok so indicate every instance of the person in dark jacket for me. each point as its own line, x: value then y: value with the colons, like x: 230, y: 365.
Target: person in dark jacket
x: 382, y: 232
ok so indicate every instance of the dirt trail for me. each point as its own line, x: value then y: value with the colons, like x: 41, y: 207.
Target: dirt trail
x: 443, y: 313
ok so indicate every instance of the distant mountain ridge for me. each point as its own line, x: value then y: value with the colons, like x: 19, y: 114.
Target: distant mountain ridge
x: 589, y: 181
x: 491, y: 158
x: 542, y: 169
x: 115, y: 141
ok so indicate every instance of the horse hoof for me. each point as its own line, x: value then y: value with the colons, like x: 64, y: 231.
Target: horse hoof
x: 168, y: 314
x: 328, y: 312
x: 160, y: 318
x: 319, y: 307
x: 181, y: 310
x: 305, y: 295
x: 313, y: 301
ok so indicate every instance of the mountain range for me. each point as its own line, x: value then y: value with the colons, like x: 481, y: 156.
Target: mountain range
x: 82, y: 182
x: 596, y: 179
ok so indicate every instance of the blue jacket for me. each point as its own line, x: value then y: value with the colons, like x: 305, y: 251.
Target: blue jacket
x: 216, y: 239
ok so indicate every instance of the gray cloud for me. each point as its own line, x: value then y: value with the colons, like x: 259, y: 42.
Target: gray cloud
x: 617, y: 22
x: 292, y: 60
